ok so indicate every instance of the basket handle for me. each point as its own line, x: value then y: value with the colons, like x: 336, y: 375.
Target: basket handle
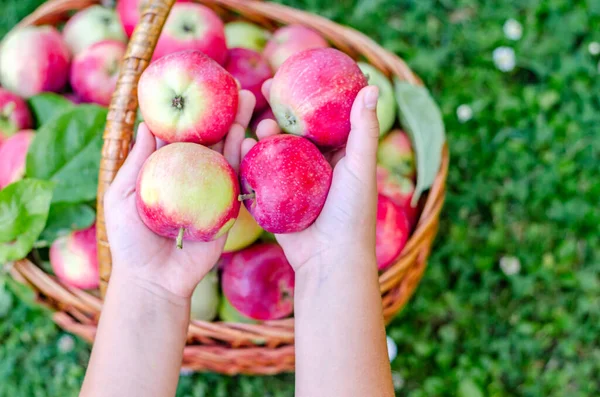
x: 122, y: 114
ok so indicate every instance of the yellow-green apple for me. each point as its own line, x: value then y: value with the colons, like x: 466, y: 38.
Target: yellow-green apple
x: 34, y: 59
x: 95, y: 70
x: 242, y: 34
x: 392, y: 230
x: 290, y: 40
x: 284, y: 180
x: 399, y: 189
x: 74, y: 260
x: 386, y: 104
x: 187, y: 191
x: 312, y: 95
x: 188, y: 97
x: 230, y: 314
x: 243, y: 233
x: 205, y: 298
x: 259, y: 282
x: 90, y: 26
x: 130, y: 12
x: 14, y: 115
x: 265, y: 114
x: 251, y: 70
x: 192, y: 26
x: 12, y: 157
x: 396, y: 154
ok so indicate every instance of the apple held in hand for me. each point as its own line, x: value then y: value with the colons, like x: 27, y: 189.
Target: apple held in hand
x: 130, y: 12
x: 90, y: 26
x: 205, y: 298
x: 399, y: 189
x: 95, y: 71
x: 251, y: 70
x: 242, y: 34
x: 312, y: 95
x: 243, y: 233
x: 188, y: 97
x: 34, y: 59
x: 74, y: 260
x: 259, y: 282
x: 290, y: 40
x: 191, y: 26
x: 14, y: 115
x: 187, y: 191
x: 13, y: 154
x: 386, y: 104
x: 285, y: 181
x: 392, y: 230
x: 395, y: 153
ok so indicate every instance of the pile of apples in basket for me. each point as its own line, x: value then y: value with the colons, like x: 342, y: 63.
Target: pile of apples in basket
x: 188, y: 98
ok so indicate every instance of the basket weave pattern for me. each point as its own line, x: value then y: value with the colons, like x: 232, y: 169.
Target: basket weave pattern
x: 230, y: 348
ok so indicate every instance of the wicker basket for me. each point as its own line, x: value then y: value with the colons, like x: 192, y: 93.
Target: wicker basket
x: 229, y: 348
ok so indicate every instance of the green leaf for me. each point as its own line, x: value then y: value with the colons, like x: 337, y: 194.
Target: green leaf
x: 468, y: 388
x: 46, y: 106
x: 66, y: 150
x: 421, y: 118
x: 24, y: 207
x: 64, y: 218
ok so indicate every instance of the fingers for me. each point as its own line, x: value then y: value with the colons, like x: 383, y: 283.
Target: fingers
x: 266, y: 89
x: 247, y: 144
x: 361, y: 149
x: 267, y: 128
x: 145, y: 145
x: 246, y: 103
x: 231, y: 147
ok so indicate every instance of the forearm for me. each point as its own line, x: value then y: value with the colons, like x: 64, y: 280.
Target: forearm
x: 139, y: 345
x: 339, y: 317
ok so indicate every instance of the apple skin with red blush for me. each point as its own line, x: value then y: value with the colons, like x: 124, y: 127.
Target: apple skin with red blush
x: 130, y: 12
x: 14, y: 115
x: 13, y: 154
x: 392, y: 231
x: 312, y: 95
x: 251, y: 70
x: 188, y: 97
x: 188, y: 192
x: 74, y: 259
x: 259, y: 282
x: 395, y: 153
x: 285, y: 180
x: 290, y: 40
x: 399, y: 189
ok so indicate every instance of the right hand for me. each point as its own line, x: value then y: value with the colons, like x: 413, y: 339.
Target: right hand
x: 346, y: 226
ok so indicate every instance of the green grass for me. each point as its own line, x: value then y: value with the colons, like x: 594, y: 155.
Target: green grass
x: 523, y: 184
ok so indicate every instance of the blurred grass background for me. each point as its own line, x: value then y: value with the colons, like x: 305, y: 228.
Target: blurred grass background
x: 523, y: 192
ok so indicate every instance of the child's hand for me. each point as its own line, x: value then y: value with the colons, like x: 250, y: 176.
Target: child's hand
x: 140, y: 254
x: 346, y: 226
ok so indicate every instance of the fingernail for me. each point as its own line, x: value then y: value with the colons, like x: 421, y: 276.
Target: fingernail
x: 371, y: 96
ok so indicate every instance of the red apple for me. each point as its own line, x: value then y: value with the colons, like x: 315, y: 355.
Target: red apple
x: 73, y: 97
x: 243, y: 233
x: 92, y: 25
x: 263, y: 115
x: 34, y: 59
x: 251, y: 70
x: 259, y: 282
x: 230, y: 314
x: 14, y: 115
x: 312, y: 95
x: 74, y: 260
x: 399, y: 189
x: 187, y: 191
x: 188, y: 97
x: 391, y: 232
x: 13, y: 154
x: 290, y: 40
x: 192, y: 27
x: 95, y: 71
x: 395, y: 153
x: 285, y: 181
x: 130, y: 12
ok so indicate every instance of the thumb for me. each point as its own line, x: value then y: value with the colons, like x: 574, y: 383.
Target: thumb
x: 361, y: 149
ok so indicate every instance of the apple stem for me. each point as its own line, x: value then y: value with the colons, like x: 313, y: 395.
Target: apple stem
x: 248, y: 196
x: 179, y: 240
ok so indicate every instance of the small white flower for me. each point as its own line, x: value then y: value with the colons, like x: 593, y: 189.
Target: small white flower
x: 397, y: 380
x: 510, y: 265
x: 594, y: 48
x: 66, y: 343
x: 512, y: 29
x: 185, y: 372
x: 504, y: 58
x: 464, y: 113
x: 392, y: 348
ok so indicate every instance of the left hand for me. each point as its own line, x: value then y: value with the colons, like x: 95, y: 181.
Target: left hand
x: 141, y: 255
